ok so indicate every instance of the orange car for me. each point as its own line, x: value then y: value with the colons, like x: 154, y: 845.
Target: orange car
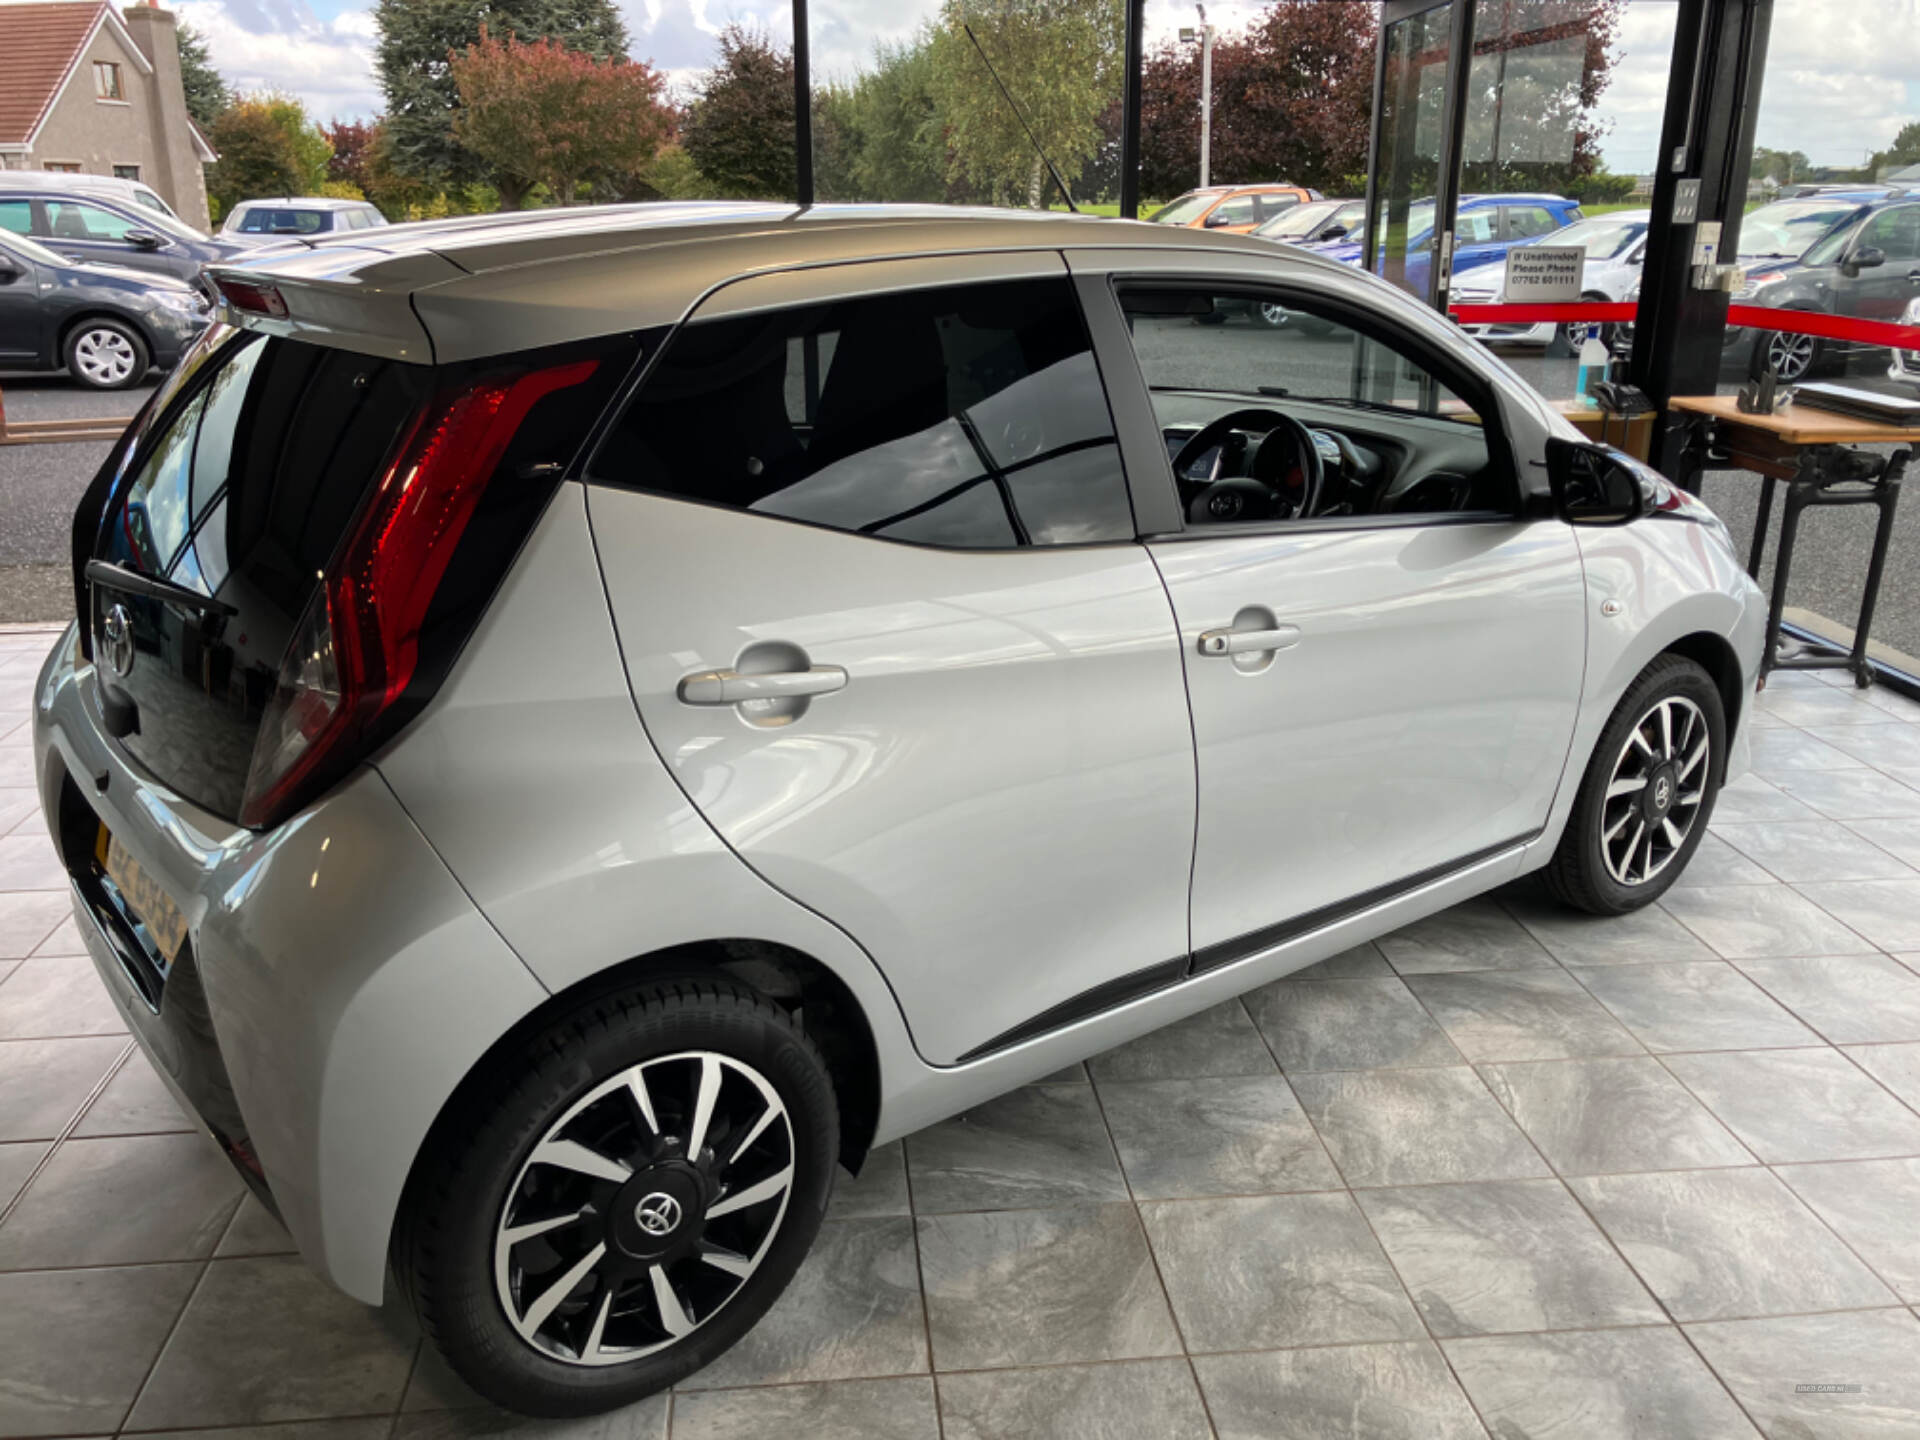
x: 1235, y: 208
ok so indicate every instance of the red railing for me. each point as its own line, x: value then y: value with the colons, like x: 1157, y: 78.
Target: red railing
x: 1758, y: 317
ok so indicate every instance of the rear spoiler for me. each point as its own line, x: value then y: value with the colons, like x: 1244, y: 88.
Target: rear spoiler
x: 342, y: 296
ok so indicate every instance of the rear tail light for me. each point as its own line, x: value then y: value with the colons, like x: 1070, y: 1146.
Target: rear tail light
x: 356, y: 649
x: 255, y: 297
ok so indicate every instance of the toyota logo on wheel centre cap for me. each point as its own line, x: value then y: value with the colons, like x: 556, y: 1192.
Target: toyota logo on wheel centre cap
x: 658, y: 1213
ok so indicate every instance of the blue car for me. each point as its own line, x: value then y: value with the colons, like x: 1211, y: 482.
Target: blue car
x: 1485, y: 228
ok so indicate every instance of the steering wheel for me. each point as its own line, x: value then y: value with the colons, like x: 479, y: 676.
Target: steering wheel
x: 1269, y: 489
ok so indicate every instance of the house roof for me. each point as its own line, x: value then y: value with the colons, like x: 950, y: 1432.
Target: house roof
x: 44, y: 43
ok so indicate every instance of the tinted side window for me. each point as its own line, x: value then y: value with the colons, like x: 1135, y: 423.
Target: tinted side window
x: 1237, y: 211
x: 970, y: 417
x: 17, y: 216
x: 1896, y: 232
x: 71, y: 220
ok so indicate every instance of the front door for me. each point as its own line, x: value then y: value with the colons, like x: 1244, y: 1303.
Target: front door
x: 1881, y: 292
x: 1383, y: 657
x: 84, y: 231
x: 20, y: 322
x: 868, y: 545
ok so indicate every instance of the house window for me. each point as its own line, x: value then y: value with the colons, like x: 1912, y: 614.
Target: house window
x: 126, y: 172
x: 106, y: 81
x: 64, y: 167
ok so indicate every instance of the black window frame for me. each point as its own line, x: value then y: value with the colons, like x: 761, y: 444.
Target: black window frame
x: 1159, y: 492
x: 658, y: 342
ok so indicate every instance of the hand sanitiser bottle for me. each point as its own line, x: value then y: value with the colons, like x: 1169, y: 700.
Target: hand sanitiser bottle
x: 1593, y: 368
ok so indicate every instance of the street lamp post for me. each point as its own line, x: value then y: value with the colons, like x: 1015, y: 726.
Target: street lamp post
x: 1204, y: 36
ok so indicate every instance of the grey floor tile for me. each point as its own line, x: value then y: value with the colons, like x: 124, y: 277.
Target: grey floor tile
x: 267, y: 1340
x: 1849, y: 999
x: 1887, y: 912
x: 1038, y: 1146
x: 879, y: 1189
x: 77, y: 1343
x: 43, y: 1083
x: 56, y: 997
x: 366, y: 1428
x: 29, y: 917
x: 65, y: 940
x: 1504, y: 1256
x: 1042, y: 1287
x: 1347, y: 1025
x: 1806, y: 705
x: 134, y: 1103
x: 1775, y: 752
x: 122, y: 1201
x: 1220, y: 1040
x: 1728, y: 1244
x: 1276, y: 1271
x: 1647, y: 936
x: 1895, y: 1066
x: 1132, y: 1400
x: 1595, y: 1385
x: 1899, y: 838
x: 1362, y: 962
x: 1791, y: 1105
x: 1715, y: 862
x: 1600, y: 1116
x: 901, y: 1409
x: 1398, y: 1391
x: 1752, y: 798
x: 1415, y: 1127
x: 852, y: 1313
x: 480, y: 1421
x: 29, y: 862
x: 1852, y: 794
x: 254, y: 1231
x: 1074, y: 1074
x: 16, y: 1164
x: 1870, y: 1204
x: 1702, y: 1005
x: 1749, y: 921
x: 1478, y: 935
x: 1767, y: 1362
x: 1522, y: 1015
x: 1235, y: 1135
x: 17, y: 804
x: 1888, y: 746
x: 1814, y: 850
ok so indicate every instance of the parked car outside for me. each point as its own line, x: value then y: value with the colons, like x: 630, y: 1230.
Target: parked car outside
x: 255, y: 222
x: 93, y: 226
x: 1616, y: 246
x: 1485, y: 228
x: 111, y: 186
x: 1864, y: 261
x: 1234, y: 208
x: 1315, y: 222
x: 814, y: 676
x: 107, y: 326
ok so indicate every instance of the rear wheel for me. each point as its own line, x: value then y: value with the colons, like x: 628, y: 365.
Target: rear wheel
x: 106, y: 355
x: 1578, y: 332
x: 1791, y: 357
x: 1267, y: 315
x: 1649, y: 789
x: 625, y: 1197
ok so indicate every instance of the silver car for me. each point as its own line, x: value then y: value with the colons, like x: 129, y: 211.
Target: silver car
x: 584, y: 722
x: 1616, y: 246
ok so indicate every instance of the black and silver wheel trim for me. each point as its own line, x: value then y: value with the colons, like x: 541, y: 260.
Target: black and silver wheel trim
x: 644, y: 1209
x: 1655, y: 792
x: 1791, y: 356
x: 103, y: 356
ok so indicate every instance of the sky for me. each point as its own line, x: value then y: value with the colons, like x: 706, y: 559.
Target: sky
x: 1842, y: 75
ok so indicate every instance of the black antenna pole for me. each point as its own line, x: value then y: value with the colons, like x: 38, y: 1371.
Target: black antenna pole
x: 802, y: 108
x: 1031, y: 138
x: 1130, y: 115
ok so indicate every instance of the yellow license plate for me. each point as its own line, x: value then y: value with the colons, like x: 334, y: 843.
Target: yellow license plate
x: 149, y: 904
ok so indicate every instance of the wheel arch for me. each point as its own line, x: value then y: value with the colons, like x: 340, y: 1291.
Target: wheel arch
x: 99, y: 312
x: 1714, y: 654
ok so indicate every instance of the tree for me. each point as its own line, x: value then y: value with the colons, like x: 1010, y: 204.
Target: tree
x: 1060, y: 60
x: 538, y: 113
x: 305, y: 142
x: 739, y: 129
x: 1533, y: 89
x: 418, y: 40
x: 257, y: 155
x: 352, y: 142
x: 898, y: 148
x: 207, y: 90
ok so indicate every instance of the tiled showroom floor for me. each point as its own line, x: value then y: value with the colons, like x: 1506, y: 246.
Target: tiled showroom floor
x: 1508, y: 1171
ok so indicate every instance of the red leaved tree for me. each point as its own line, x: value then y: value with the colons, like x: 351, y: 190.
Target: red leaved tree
x: 542, y: 114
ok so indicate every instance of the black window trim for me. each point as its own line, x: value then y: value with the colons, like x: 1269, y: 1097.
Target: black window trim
x: 1148, y: 455
x: 656, y: 342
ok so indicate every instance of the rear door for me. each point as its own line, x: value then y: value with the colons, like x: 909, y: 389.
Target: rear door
x: 869, y: 548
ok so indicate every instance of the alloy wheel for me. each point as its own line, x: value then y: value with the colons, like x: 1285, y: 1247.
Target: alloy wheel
x: 1655, y: 792
x: 1791, y: 356
x: 105, y: 357
x: 644, y: 1209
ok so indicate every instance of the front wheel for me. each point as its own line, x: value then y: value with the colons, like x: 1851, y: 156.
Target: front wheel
x: 623, y: 1198
x: 1643, y: 805
x: 106, y: 355
x: 1791, y: 357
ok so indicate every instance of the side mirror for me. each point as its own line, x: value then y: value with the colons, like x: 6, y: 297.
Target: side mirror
x: 1216, y: 220
x: 1865, y: 258
x: 142, y: 239
x: 1334, y: 232
x: 1591, y: 486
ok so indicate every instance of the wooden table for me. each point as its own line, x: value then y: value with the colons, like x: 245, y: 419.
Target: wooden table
x: 1631, y: 433
x: 1807, y: 447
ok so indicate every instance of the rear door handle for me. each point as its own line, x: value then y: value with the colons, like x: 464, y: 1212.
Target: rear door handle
x: 729, y: 687
x: 1248, y: 642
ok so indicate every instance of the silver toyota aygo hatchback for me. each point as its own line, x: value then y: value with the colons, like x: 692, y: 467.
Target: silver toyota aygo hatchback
x: 582, y: 723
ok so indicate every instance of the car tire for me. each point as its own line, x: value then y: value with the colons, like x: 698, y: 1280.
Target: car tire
x: 104, y: 354
x: 1625, y: 843
x: 1266, y: 315
x: 1607, y: 332
x: 509, y: 1157
x: 1791, y: 357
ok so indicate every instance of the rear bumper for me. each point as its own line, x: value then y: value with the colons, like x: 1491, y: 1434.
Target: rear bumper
x: 335, y: 987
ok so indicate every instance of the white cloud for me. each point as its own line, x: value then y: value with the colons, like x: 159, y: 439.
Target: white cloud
x: 282, y: 45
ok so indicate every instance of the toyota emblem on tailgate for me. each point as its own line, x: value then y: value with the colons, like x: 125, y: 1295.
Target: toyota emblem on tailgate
x: 116, y: 637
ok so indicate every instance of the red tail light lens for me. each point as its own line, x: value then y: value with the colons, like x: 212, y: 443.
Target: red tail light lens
x: 357, y: 647
x: 253, y: 296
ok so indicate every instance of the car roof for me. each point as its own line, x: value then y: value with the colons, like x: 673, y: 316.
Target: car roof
x: 306, y: 202
x: 477, y: 285
x: 1526, y: 197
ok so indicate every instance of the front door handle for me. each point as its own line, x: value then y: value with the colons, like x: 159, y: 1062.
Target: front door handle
x: 1248, y: 642
x: 729, y: 687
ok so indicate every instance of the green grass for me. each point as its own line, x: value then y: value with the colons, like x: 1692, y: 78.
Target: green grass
x: 1608, y: 207
x: 1110, y: 208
